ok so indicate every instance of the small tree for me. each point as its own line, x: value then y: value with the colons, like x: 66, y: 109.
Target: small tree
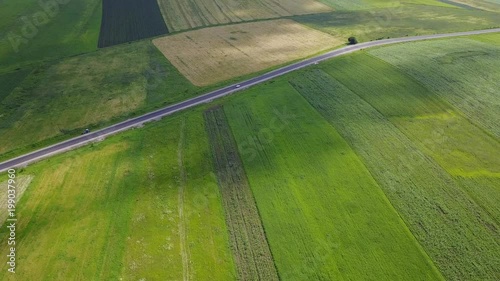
x: 352, y: 40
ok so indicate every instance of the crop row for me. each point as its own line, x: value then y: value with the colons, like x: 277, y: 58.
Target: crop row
x: 250, y: 248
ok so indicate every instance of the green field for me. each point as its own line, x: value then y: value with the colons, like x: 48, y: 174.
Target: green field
x: 400, y: 20
x: 88, y: 91
x: 383, y: 178
x: 34, y: 31
x: 49, y: 93
x: 323, y: 218
x: 324, y: 215
x: 9, y: 82
x: 378, y: 165
x: 352, y: 5
x: 438, y: 169
x: 113, y: 210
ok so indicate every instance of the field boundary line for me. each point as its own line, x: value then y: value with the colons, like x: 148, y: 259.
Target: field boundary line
x: 181, y: 198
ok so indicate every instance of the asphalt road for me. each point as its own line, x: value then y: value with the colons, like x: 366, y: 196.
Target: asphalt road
x: 156, y: 115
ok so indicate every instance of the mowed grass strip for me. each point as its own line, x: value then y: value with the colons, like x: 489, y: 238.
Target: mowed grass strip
x: 324, y: 215
x: 182, y: 15
x: 220, y: 53
x: 130, y: 20
x: 110, y: 210
x: 248, y: 239
x: 458, y: 234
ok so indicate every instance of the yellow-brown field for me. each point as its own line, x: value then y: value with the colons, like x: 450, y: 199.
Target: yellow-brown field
x: 220, y: 53
x: 182, y: 15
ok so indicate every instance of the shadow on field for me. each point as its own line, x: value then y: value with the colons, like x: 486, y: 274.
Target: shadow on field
x: 405, y: 20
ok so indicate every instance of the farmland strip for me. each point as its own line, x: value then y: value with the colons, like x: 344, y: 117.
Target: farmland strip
x: 249, y: 244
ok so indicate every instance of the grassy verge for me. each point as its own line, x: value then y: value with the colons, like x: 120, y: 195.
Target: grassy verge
x: 249, y: 243
x: 35, y: 31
